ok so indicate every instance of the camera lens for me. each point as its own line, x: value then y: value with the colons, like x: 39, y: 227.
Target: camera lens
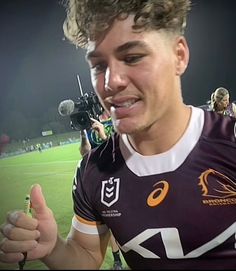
x: 80, y: 120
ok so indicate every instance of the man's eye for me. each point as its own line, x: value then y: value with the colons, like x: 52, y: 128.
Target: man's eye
x: 99, y: 67
x: 132, y: 59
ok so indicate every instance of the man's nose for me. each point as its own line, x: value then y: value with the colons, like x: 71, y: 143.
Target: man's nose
x: 115, y: 78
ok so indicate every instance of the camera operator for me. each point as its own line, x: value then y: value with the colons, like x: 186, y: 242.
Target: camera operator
x: 86, y: 144
x: 100, y: 132
x: 97, y: 134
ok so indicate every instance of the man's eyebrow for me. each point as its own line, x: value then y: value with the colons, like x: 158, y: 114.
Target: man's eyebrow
x: 122, y: 48
x: 130, y: 45
x: 92, y: 54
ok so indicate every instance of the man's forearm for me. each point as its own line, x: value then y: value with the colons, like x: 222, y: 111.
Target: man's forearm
x: 67, y: 256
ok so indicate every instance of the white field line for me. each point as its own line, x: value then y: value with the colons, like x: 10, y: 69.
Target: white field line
x: 47, y: 173
x: 40, y: 164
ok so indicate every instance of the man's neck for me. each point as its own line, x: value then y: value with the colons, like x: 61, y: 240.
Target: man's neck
x: 161, y: 136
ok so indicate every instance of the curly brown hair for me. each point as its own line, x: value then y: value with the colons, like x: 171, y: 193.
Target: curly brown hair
x: 88, y: 19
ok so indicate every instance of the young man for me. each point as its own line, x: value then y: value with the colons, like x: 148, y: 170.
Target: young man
x: 165, y: 183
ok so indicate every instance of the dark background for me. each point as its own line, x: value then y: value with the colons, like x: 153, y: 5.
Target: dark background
x: 38, y: 67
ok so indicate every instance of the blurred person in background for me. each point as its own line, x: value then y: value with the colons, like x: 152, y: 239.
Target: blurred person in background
x: 4, y: 140
x: 220, y: 102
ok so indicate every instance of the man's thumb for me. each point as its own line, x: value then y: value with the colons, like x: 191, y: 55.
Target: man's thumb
x: 38, y: 202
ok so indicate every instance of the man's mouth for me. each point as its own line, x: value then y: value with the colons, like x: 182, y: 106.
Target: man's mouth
x: 125, y: 104
x: 121, y: 102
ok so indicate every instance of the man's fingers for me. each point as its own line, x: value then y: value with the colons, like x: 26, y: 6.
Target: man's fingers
x: 9, y: 246
x: 10, y: 257
x: 20, y: 219
x: 18, y: 234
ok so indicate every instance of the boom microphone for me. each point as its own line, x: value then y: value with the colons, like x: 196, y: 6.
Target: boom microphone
x: 66, y: 107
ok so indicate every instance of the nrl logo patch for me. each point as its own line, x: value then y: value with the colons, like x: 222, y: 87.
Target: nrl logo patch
x: 110, y: 191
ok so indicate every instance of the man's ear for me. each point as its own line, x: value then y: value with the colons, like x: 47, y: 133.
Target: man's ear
x: 182, y: 55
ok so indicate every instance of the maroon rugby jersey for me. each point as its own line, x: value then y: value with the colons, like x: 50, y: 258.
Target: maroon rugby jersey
x: 175, y: 210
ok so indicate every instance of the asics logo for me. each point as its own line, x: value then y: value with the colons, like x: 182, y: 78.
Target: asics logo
x: 159, y: 194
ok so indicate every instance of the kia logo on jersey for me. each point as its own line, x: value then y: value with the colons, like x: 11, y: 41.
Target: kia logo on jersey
x: 110, y: 191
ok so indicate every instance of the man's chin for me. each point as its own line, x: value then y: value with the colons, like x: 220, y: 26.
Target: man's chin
x: 128, y: 125
x: 128, y: 130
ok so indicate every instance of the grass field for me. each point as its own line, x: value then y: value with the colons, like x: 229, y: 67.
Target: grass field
x: 53, y: 169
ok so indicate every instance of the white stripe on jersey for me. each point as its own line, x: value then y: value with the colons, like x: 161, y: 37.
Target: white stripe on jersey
x: 89, y: 229
x: 167, y: 161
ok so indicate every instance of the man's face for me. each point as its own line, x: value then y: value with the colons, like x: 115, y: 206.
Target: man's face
x: 137, y: 74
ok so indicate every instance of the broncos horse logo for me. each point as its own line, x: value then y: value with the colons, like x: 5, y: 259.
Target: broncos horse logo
x: 217, y: 185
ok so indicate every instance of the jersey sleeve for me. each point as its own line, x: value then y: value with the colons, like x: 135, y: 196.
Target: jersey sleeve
x: 86, y: 219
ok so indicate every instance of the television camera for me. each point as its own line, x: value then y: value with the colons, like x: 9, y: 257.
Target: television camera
x: 88, y: 106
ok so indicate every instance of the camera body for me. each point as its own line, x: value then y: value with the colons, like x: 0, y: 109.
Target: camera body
x: 88, y: 106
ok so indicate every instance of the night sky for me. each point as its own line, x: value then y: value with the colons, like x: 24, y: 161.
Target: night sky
x: 39, y: 68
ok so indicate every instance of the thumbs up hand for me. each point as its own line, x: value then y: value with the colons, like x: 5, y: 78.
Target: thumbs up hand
x: 35, y: 235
